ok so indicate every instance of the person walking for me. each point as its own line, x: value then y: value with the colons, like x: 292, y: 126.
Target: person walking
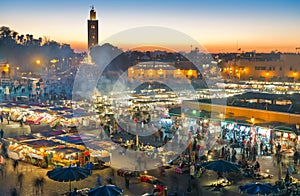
x: 20, y: 180
x: 41, y: 184
x: 2, y: 170
x: 126, y: 181
x: 15, y: 165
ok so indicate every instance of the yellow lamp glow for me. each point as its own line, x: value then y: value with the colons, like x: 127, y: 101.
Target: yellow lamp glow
x: 295, y: 74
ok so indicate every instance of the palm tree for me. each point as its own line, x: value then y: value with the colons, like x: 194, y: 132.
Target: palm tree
x: 4, y: 32
x: 30, y: 39
x: 21, y: 39
x: 40, y: 41
x: 27, y: 39
x: 14, y: 36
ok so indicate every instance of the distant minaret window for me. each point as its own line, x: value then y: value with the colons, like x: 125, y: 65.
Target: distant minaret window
x: 93, y: 27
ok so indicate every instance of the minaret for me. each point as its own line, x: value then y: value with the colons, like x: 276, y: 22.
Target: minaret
x: 92, y: 30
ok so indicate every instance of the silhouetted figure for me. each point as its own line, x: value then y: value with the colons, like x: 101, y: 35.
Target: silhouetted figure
x: 38, y: 185
x: 1, y: 133
x: 99, y: 180
x: 2, y: 170
x: 127, y: 181
x: 8, y: 118
x: 257, y: 166
x: 13, y: 192
x: 20, y: 180
x: 15, y: 165
x: 287, y: 176
x: 1, y: 118
x: 74, y: 193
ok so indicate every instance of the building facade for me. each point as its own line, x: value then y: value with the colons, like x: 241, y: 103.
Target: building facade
x: 159, y: 70
x: 287, y: 68
x: 6, y: 73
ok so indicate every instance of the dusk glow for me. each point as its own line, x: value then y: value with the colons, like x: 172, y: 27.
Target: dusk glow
x: 218, y: 25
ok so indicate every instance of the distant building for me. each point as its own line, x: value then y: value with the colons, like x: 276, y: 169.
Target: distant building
x: 286, y: 68
x: 159, y: 70
x: 6, y: 73
x: 92, y: 30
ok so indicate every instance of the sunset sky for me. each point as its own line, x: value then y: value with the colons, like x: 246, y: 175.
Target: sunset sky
x: 218, y: 25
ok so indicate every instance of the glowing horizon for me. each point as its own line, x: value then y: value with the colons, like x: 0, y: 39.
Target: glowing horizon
x: 218, y: 26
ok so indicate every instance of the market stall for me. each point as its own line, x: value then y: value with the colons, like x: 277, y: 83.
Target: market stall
x: 66, y: 156
x: 36, y: 151
x: 100, y: 158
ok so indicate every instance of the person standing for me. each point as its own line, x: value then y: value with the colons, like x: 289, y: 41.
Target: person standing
x: 257, y: 166
x: 15, y: 165
x: 296, y: 157
x: 1, y: 133
x: 261, y: 148
x: 74, y: 193
x: 192, y: 171
x: 99, y: 180
x: 1, y: 118
x: 8, y: 118
x: 89, y: 166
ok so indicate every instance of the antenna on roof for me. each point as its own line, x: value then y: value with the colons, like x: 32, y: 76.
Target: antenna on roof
x: 92, y: 7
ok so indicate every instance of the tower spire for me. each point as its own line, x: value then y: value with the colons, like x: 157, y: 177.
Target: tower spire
x: 92, y: 30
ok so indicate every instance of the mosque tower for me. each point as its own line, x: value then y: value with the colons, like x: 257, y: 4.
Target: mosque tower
x: 92, y: 30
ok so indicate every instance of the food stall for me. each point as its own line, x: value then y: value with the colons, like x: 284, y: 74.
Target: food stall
x: 62, y: 156
x: 50, y: 134
x: 34, y: 117
x: 15, y: 152
x: 100, y: 152
x: 37, y: 150
x: 15, y: 149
